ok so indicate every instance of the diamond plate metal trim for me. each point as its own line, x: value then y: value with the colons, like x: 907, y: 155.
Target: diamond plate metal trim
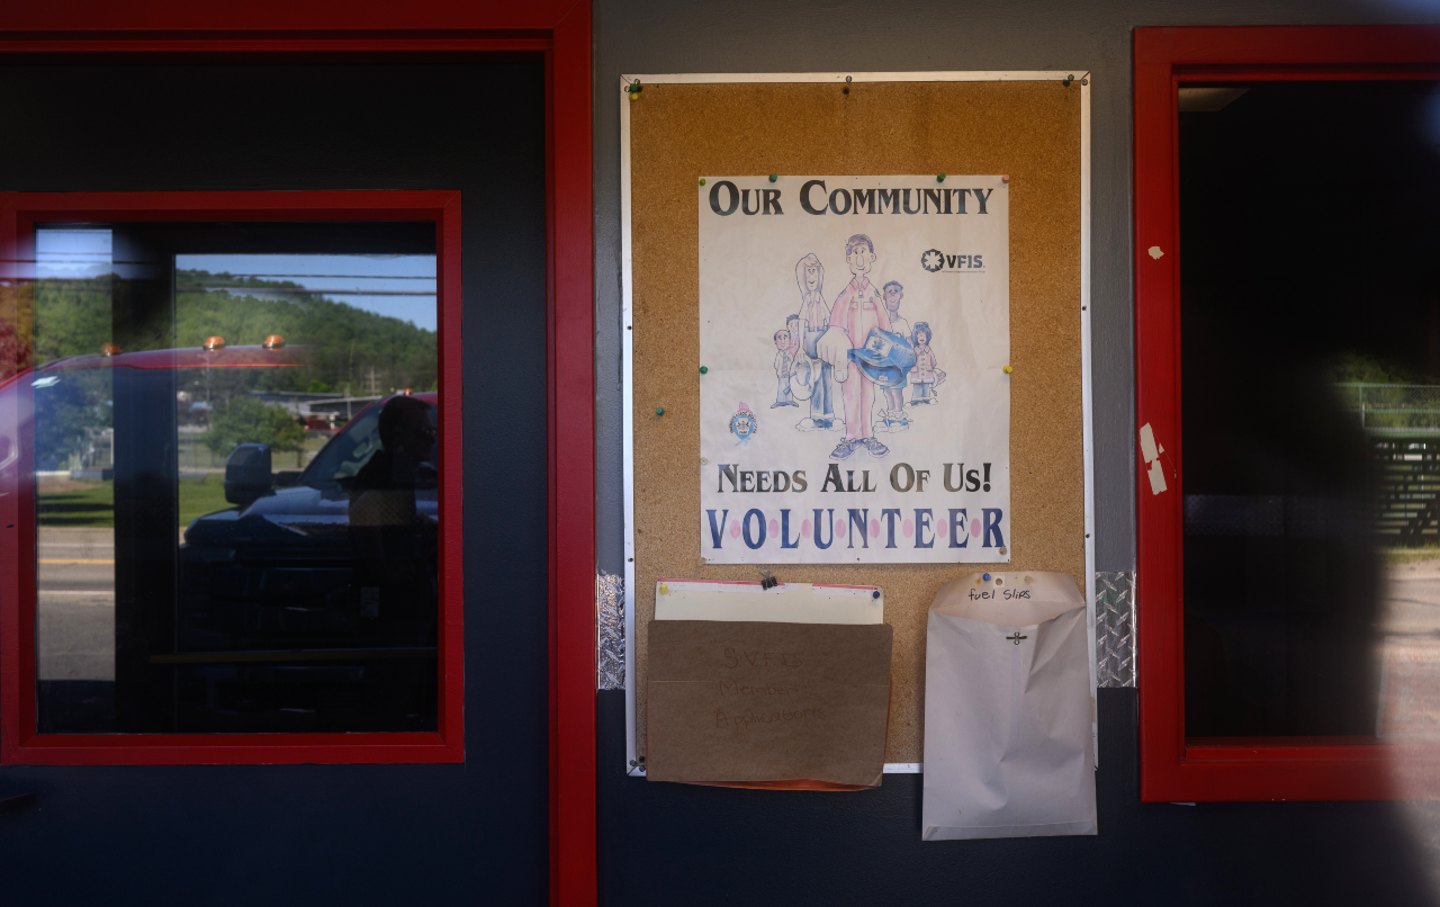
x: 1115, y: 628
x: 610, y: 631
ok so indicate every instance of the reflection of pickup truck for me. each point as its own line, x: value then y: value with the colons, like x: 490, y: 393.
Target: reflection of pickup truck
x: 276, y: 569
x: 277, y: 630
x: 260, y: 620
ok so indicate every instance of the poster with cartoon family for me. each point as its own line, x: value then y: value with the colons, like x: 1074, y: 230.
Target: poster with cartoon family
x: 855, y: 389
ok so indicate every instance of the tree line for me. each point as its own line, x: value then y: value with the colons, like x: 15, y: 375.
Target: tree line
x: 348, y: 351
x: 346, y: 345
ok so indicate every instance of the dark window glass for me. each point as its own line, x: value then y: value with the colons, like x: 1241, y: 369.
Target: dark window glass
x: 1310, y: 224
x: 233, y: 439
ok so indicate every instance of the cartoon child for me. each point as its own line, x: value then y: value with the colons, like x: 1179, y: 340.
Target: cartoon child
x: 924, y: 376
x: 785, y: 350
x: 859, y: 309
x: 894, y: 418
x: 815, y: 318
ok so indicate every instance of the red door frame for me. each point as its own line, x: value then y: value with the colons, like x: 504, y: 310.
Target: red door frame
x: 1172, y: 767
x: 559, y: 30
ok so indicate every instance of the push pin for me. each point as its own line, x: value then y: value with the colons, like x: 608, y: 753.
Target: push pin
x: 774, y: 177
x: 875, y: 594
x: 985, y: 577
x: 659, y: 410
x: 939, y: 177
x: 846, y: 89
x: 704, y: 369
x: 1007, y: 368
x: 702, y: 180
x: 1068, y: 79
x: 664, y: 589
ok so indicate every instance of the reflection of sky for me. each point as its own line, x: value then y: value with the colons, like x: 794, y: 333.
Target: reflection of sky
x: 398, y: 286
x: 72, y: 252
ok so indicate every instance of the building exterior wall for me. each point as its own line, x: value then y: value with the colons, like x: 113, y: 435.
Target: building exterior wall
x: 662, y: 844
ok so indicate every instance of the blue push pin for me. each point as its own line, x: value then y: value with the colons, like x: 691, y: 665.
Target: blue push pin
x: 985, y: 577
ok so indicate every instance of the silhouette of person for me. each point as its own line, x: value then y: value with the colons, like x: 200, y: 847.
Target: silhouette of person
x: 393, y: 546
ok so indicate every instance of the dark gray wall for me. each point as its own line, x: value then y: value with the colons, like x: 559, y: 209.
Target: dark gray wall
x: 310, y: 834
x: 665, y: 844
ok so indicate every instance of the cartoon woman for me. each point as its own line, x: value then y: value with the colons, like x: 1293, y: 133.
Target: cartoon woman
x: 814, y: 319
x: 924, y: 377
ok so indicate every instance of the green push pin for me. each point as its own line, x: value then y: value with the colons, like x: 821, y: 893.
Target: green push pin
x: 774, y: 177
x: 704, y: 369
x: 702, y: 180
x: 659, y: 410
x: 940, y: 178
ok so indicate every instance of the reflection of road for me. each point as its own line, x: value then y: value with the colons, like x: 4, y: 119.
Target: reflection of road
x: 76, y: 613
x: 1410, y: 698
x: 77, y: 627
x: 1410, y: 653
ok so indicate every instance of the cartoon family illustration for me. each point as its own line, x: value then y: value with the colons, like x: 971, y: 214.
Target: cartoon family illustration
x: 853, y: 348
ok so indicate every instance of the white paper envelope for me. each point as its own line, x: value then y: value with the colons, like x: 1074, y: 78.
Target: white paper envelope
x: 1008, y: 744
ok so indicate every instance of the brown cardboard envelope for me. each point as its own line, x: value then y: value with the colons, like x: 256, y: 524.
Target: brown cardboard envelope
x: 760, y: 704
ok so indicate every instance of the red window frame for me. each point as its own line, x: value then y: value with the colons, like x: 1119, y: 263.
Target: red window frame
x: 560, y: 32
x: 1172, y: 767
x: 20, y: 215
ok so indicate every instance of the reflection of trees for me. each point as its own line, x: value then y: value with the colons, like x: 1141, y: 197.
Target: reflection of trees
x: 1394, y: 406
x: 73, y: 317
x: 343, y: 343
x: 246, y: 420
x: 14, y: 330
x: 70, y: 416
x: 1387, y: 395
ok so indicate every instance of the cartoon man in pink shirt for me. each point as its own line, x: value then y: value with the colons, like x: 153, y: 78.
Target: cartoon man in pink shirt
x: 858, y: 309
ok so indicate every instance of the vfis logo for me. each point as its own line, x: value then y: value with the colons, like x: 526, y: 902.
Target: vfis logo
x: 935, y: 260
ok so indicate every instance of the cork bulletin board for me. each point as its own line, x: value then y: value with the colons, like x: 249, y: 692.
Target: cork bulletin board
x: 1030, y: 128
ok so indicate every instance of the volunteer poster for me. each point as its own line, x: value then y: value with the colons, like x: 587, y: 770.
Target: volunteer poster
x: 855, y: 387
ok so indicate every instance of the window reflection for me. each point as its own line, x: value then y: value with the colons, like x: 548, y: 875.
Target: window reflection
x: 1311, y: 382
x: 234, y: 475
